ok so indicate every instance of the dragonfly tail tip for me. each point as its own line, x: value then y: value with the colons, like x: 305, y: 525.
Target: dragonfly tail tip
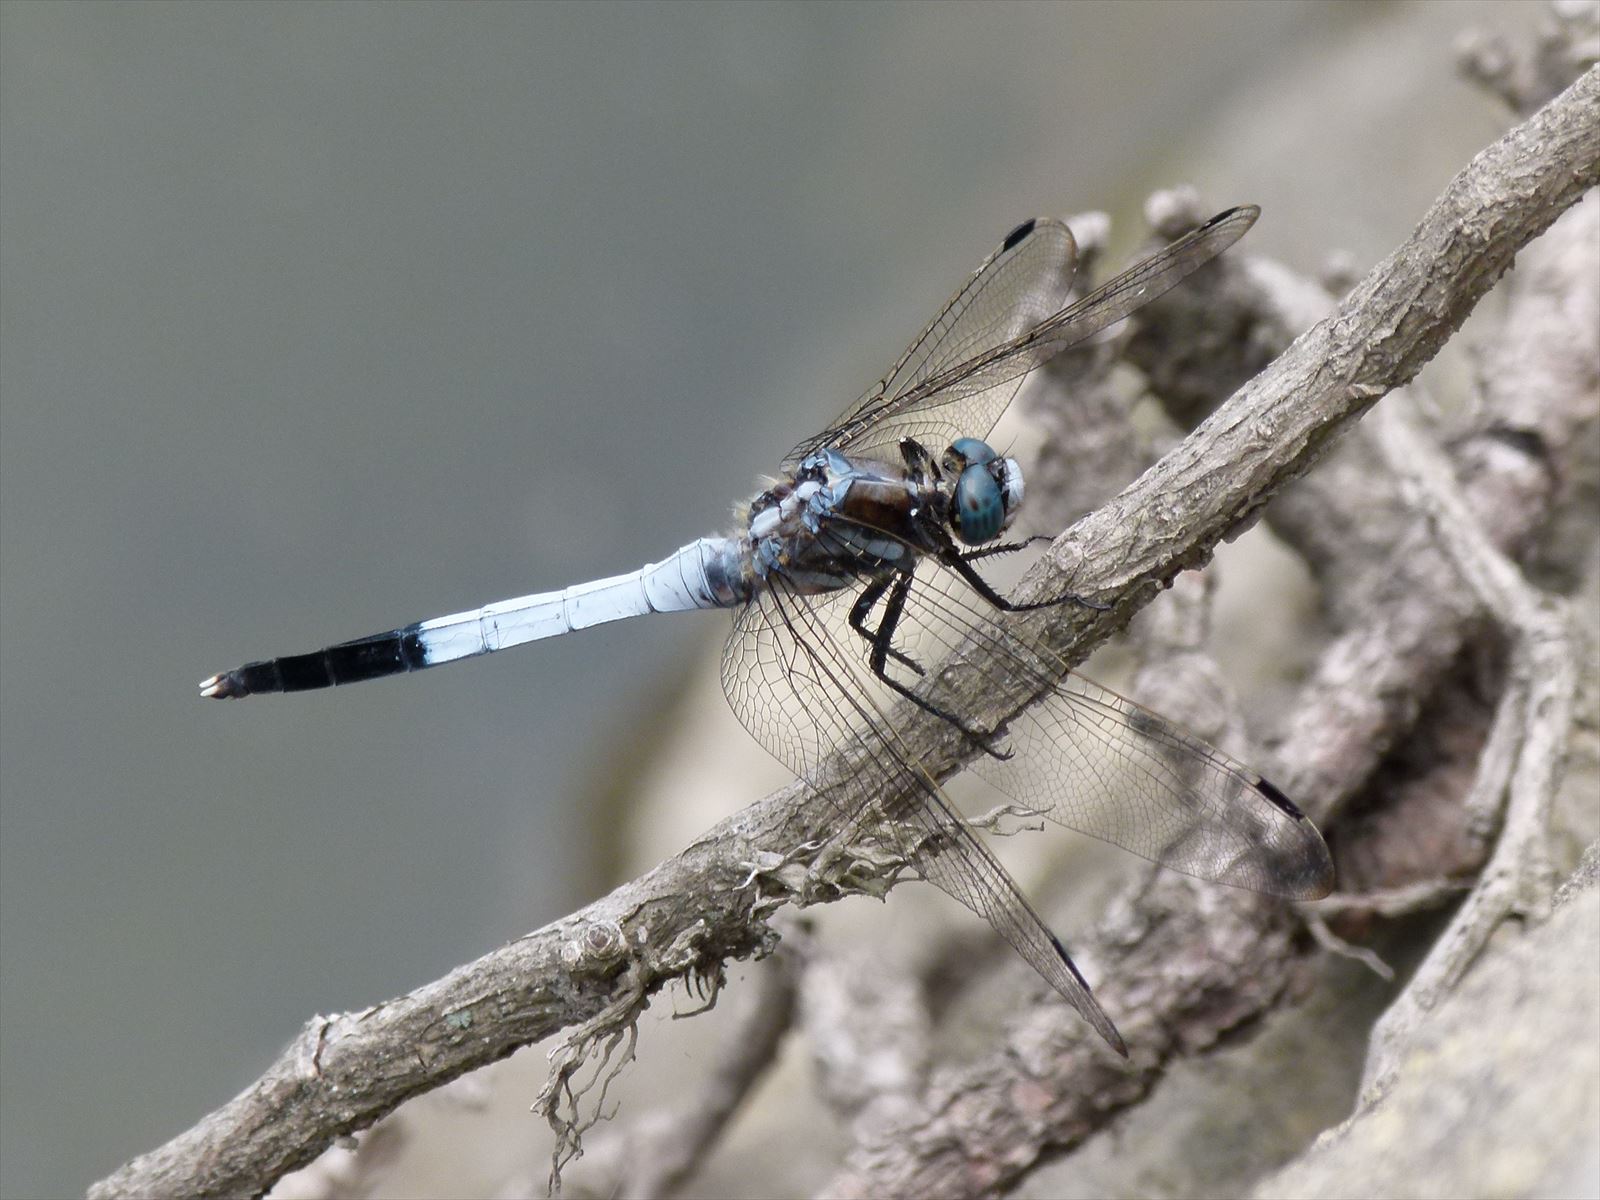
x: 225, y: 686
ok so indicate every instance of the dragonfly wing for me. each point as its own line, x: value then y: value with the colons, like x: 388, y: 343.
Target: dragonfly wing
x: 958, y: 387
x: 1024, y: 282
x: 800, y: 681
x: 1098, y: 763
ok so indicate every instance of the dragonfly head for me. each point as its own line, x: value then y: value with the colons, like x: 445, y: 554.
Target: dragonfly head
x: 987, y: 491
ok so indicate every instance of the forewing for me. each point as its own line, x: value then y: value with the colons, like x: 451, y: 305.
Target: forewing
x: 1024, y: 282
x: 961, y: 392
x: 800, y: 681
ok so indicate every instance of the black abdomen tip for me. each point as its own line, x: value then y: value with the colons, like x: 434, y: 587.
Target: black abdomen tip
x: 226, y: 686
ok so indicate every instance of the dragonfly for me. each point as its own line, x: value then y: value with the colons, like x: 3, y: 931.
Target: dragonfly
x: 861, y: 569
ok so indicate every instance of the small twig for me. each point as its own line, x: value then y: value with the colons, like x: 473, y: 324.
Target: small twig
x: 1391, y: 902
x: 1334, y: 944
x: 997, y: 821
x: 666, y: 1147
x: 592, y: 1045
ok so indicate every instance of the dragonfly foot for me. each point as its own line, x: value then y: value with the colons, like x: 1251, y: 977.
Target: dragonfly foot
x: 1064, y: 598
x: 989, y: 743
x: 1084, y: 602
x: 988, y: 746
x: 905, y: 660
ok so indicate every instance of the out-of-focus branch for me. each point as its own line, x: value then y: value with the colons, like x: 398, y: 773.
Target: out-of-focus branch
x: 1525, y: 751
x: 663, y: 1150
x: 1566, y: 42
x: 693, y: 912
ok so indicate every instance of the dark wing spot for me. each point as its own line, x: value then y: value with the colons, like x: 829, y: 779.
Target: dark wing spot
x: 1017, y: 234
x: 1066, y: 958
x: 1271, y: 792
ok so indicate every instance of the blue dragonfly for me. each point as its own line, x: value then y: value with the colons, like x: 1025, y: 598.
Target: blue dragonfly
x: 860, y: 569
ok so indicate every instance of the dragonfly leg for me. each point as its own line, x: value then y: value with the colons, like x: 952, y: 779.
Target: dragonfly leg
x: 899, y: 587
x: 858, y: 621
x: 1001, y: 548
x: 960, y: 562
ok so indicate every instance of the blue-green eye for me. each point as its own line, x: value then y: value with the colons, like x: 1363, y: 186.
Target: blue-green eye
x: 974, y: 451
x: 979, y: 510
x: 966, y: 452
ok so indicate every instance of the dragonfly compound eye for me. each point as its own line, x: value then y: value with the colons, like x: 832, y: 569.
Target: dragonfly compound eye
x: 966, y: 452
x: 979, y: 511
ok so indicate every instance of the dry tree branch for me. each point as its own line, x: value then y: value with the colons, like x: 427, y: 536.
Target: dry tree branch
x: 1524, y: 755
x: 691, y: 914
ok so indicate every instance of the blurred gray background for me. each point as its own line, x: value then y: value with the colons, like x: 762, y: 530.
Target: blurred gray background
x: 320, y: 319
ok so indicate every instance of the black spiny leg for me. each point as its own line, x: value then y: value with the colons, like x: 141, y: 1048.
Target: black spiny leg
x: 883, y: 649
x: 1000, y: 548
x: 960, y: 562
x: 859, y: 613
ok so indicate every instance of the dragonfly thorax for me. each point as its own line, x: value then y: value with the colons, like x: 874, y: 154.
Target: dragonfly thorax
x: 836, y: 519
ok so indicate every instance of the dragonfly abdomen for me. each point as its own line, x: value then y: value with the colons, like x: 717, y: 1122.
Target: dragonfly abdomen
x: 708, y: 573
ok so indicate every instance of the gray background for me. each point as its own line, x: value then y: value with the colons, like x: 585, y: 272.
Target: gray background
x: 321, y: 319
